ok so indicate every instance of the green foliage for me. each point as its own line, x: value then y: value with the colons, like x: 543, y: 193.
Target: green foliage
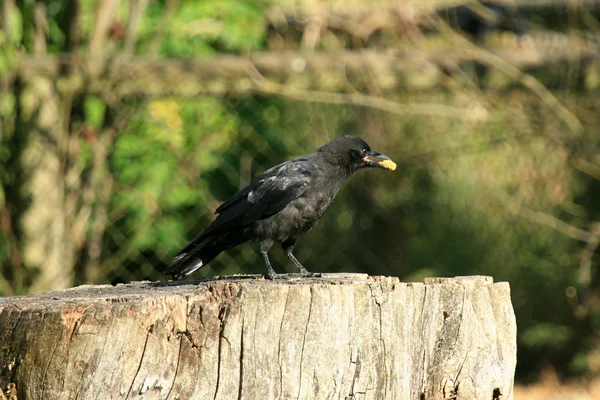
x: 94, y: 111
x: 15, y: 26
x: 201, y: 28
x: 7, y: 60
x: 579, y: 364
x: 546, y: 335
x: 152, y: 161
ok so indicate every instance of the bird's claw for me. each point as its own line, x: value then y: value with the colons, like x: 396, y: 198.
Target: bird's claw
x: 292, y: 276
x: 304, y: 271
x: 271, y: 274
x: 309, y: 274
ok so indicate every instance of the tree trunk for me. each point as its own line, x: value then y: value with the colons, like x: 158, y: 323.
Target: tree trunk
x: 48, y: 241
x: 340, y: 336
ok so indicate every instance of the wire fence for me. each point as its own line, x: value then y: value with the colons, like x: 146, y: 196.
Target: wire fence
x: 113, y: 164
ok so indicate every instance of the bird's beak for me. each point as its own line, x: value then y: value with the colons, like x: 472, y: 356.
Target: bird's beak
x: 375, y: 159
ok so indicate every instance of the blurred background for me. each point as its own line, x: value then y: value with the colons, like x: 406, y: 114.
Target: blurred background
x: 124, y: 124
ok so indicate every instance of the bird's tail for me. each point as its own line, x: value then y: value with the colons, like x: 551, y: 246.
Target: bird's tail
x: 200, y: 253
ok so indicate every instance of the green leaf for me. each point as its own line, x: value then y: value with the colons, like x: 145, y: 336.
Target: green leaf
x: 94, y: 111
x: 544, y: 334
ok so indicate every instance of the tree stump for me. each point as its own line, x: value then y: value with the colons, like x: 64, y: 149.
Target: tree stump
x: 339, y: 336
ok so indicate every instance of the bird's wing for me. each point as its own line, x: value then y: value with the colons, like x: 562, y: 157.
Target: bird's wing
x: 268, y: 194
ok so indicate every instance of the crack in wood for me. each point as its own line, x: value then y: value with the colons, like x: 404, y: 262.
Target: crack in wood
x: 108, y: 336
x: 35, y: 332
x: 287, y: 298
x: 187, y: 317
x: 304, y: 341
x: 148, y: 333
x: 222, y: 317
x: 17, y: 357
x: 460, y: 322
x: 84, y: 367
x: 496, y: 394
x: 357, y: 366
x: 423, y: 371
x: 241, y: 361
x: 49, y: 362
x: 381, y: 340
x: 76, y: 325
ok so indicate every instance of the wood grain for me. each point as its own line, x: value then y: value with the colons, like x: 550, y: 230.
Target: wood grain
x: 340, y: 336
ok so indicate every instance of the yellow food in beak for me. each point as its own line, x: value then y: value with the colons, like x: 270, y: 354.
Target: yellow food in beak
x: 388, y: 164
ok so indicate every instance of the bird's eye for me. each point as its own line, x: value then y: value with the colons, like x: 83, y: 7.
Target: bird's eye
x: 363, y: 152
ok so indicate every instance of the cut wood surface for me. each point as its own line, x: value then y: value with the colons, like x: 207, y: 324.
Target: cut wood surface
x: 338, y: 336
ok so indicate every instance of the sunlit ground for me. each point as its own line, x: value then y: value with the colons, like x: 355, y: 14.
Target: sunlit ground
x: 551, y: 388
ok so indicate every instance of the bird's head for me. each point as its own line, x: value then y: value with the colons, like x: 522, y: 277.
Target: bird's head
x: 354, y: 153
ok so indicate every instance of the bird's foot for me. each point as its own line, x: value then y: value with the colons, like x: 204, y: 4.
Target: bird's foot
x: 309, y: 274
x: 303, y: 270
x: 271, y: 274
x: 300, y: 275
x: 293, y: 276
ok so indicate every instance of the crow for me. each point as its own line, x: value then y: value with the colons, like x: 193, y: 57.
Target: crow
x: 280, y: 205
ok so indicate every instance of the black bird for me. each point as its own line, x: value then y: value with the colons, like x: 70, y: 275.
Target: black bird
x: 280, y: 205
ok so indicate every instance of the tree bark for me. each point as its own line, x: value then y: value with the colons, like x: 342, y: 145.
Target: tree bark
x: 340, y: 336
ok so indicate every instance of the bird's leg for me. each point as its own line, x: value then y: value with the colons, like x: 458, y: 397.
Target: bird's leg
x: 288, y: 247
x: 270, y: 269
x: 300, y: 266
x: 264, y: 248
